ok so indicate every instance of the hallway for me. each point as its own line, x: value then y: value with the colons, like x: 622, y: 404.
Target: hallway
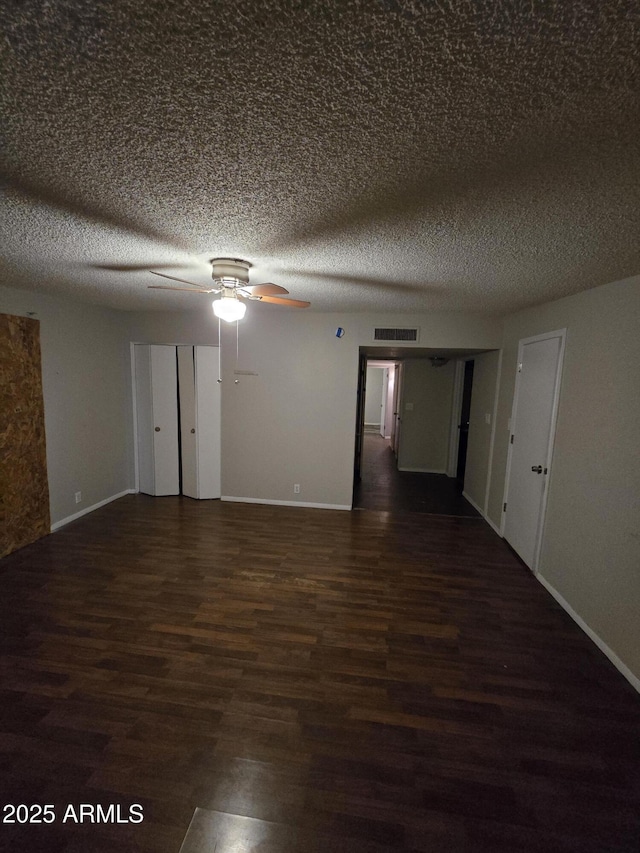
x: 383, y: 487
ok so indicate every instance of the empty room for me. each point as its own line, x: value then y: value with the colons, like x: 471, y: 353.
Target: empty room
x: 319, y: 346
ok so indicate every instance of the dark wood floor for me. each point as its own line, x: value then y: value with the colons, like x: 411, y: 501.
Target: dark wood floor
x: 309, y: 680
x: 383, y: 487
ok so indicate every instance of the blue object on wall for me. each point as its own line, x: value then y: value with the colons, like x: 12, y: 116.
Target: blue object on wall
x: 339, y: 332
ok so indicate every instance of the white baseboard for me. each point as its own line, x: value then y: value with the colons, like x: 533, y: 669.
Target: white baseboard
x: 482, y: 513
x: 58, y: 524
x: 493, y: 526
x: 234, y: 499
x: 423, y: 470
x: 633, y: 680
x: 613, y: 657
x: 473, y: 503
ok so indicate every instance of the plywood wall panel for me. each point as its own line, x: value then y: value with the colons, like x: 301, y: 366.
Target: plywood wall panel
x: 24, y: 489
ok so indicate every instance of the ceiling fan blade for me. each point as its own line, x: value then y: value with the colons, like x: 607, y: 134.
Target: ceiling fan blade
x: 266, y: 289
x: 280, y: 300
x: 186, y: 289
x: 133, y: 267
x: 184, y: 281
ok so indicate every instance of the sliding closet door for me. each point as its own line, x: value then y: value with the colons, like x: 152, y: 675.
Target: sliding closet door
x: 199, y: 421
x: 208, y: 421
x: 157, y: 414
x: 188, y: 447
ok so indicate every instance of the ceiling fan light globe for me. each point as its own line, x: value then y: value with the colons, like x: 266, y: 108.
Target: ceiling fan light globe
x: 229, y: 309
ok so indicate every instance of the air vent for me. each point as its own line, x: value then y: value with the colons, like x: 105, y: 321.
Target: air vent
x: 395, y: 335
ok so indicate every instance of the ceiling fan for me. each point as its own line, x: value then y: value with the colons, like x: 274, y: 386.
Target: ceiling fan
x: 231, y: 280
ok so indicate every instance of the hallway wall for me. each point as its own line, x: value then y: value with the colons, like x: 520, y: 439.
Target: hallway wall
x: 481, y: 427
x: 373, y: 396
x: 425, y: 430
x: 591, y: 547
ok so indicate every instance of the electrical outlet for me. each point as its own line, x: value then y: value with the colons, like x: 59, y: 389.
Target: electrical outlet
x: 78, y: 497
x: 296, y: 488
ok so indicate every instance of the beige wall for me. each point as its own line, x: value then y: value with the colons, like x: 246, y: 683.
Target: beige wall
x: 295, y: 421
x: 453, y: 330
x: 591, y: 547
x: 87, y: 398
x: 483, y: 398
x: 373, y: 396
x: 426, y: 427
x: 198, y: 327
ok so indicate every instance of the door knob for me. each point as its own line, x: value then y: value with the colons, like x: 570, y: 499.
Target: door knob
x: 537, y: 469
x: 157, y: 429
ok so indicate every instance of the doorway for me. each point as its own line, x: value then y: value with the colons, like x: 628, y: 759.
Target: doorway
x: 403, y: 464
x: 376, y: 409
x: 463, y: 426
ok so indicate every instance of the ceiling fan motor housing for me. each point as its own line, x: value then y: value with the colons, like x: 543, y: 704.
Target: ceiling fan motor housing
x: 230, y: 269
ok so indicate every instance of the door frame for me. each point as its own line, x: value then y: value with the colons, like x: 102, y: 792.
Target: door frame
x: 359, y: 426
x: 398, y: 389
x: 456, y: 413
x: 562, y: 334
x: 456, y: 406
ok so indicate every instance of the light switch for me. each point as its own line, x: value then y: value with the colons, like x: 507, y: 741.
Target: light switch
x: 487, y: 418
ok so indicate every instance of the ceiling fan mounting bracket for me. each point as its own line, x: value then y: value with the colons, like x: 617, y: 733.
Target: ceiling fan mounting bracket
x: 230, y: 269
x: 228, y: 289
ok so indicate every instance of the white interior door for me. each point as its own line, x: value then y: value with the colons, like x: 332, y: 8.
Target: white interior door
x: 157, y: 420
x: 532, y: 430
x: 208, y: 421
x: 383, y: 404
x: 165, y: 417
x: 199, y: 421
x: 389, y: 417
x: 188, y: 448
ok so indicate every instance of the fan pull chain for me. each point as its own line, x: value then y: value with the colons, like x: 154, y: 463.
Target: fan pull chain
x: 236, y: 381
x: 219, y: 354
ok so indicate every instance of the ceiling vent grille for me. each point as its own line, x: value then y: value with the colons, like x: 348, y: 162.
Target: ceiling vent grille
x: 404, y: 334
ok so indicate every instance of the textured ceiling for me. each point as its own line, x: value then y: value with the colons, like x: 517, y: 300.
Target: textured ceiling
x: 374, y: 155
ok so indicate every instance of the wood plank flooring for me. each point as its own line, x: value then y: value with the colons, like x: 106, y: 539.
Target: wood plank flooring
x: 383, y: 487
x: 309, y: 680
